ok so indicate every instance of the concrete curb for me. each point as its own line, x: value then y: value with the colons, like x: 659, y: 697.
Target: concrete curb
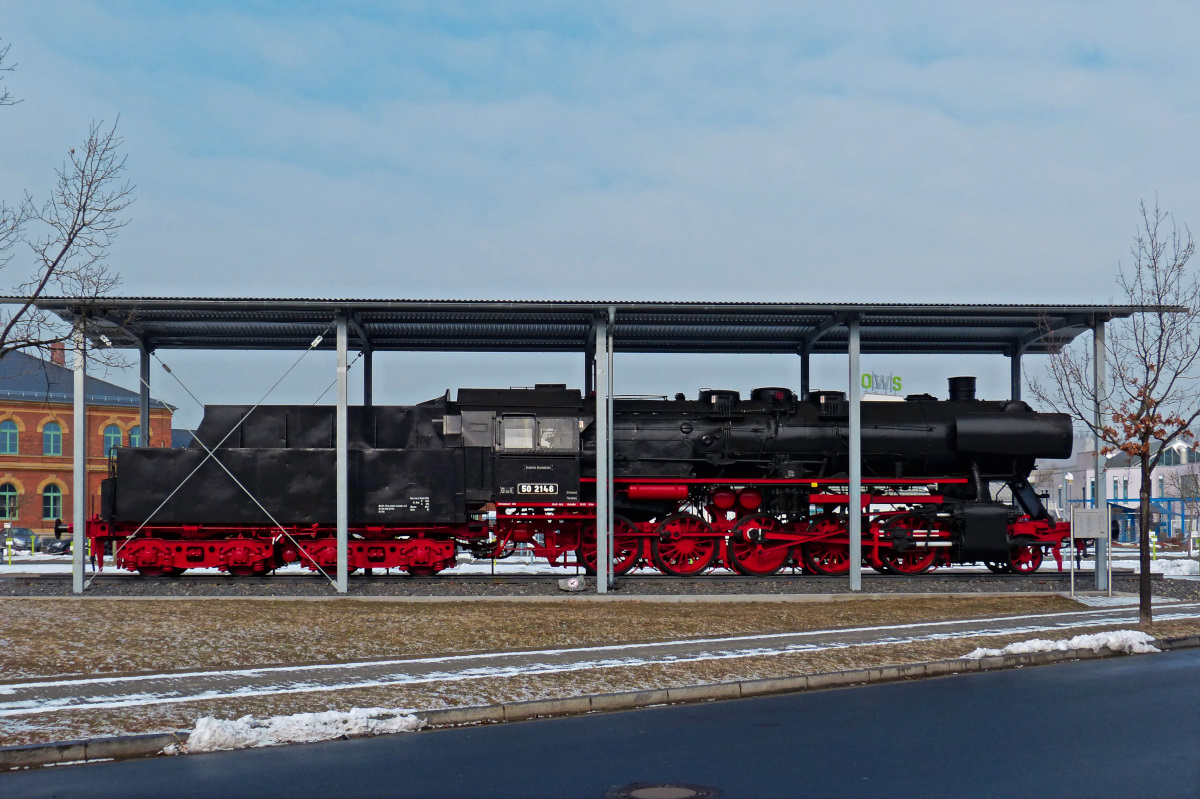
x: 120, y: 747
x: 132, y: 746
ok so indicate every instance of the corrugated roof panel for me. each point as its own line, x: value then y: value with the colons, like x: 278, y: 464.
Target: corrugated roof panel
x: 553, y: 325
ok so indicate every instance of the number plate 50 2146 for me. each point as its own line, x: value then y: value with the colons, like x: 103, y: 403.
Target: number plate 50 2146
x: 537, y: 488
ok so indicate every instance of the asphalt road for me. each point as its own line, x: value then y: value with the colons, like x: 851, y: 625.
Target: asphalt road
x: 1122, y: 727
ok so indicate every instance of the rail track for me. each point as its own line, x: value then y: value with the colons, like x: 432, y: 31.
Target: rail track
x: 545, y: 579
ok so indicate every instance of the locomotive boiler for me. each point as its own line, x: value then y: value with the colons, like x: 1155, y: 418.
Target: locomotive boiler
x: 756, y: 484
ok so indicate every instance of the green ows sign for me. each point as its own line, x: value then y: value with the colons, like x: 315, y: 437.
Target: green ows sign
x: 883, y: 384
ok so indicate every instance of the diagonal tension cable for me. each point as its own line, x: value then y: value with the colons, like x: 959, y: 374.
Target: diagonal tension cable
x: 349, y: 366
x: 211, y: 452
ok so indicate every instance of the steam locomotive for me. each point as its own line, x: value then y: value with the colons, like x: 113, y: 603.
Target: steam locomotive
x: 755, y: 484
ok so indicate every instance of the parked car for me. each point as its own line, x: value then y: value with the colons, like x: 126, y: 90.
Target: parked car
x: 22, y: 537
x: 51, y: 546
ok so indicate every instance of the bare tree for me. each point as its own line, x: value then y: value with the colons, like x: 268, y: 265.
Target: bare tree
x: 6, y: 97
x: 1151, y: 397
x: 68, y: 236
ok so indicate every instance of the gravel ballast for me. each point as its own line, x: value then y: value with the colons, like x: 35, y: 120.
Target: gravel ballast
x: 120, y: 585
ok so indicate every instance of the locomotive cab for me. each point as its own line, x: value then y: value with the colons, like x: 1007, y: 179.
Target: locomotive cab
x: 521, y: 444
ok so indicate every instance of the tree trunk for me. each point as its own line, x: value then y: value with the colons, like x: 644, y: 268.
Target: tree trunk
x: 1144, y: 546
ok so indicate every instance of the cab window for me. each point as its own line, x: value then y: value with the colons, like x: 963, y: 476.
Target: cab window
x: 516, y: 433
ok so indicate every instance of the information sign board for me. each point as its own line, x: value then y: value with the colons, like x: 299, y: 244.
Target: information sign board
x: 1089, y: 523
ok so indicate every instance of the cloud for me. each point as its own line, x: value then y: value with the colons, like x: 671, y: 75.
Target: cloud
x: 863, y: 152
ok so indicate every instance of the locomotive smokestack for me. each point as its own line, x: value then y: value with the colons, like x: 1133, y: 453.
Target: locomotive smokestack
x: 962, y: 388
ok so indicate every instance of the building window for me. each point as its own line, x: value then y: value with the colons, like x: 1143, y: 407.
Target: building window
x: 1092, y: 489
x: 8, y: 501
x: 1114, y: 493
x: 112, y: 438
x: 8, y: 437
x: 1060, y: 502
x: 52, y: 502
x: 52, y: 439
x: 1161, y: 486
x: 1124, y: 488
x: 135, y: 436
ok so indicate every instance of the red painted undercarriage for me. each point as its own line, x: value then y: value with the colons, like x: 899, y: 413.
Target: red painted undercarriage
x: 905, y: 530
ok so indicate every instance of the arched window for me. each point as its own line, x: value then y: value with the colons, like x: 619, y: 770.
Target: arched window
x: 135, y: 436
x: 52, y: 439
x: 8, y: 437
x: 112, y: 438
x: 52, y: 502
x: 8, y: 501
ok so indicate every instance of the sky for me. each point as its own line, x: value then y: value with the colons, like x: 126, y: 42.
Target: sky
x: 848, y: 152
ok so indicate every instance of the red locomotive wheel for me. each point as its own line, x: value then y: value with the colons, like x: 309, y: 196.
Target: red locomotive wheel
x: 914, y: 561
x: 1025, y: 558
x: 684, y: 545
x: 627, y: 548
x: 828, y: 559
x: 756, y: 559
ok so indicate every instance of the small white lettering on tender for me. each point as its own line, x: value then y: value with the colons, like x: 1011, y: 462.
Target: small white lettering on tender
x: 413, y: 505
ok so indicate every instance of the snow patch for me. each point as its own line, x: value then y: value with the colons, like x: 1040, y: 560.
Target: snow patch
x: 213, y: 734
x: 1128, y: 641
x: 1121, y: 601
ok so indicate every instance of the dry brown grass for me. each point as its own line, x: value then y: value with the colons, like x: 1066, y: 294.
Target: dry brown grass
x: 156, y: 718
x: 61, y: 637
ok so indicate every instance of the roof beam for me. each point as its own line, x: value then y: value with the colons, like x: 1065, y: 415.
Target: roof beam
x: 836, y: 320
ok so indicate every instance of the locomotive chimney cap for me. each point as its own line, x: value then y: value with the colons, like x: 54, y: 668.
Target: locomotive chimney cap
x: 962, y: 388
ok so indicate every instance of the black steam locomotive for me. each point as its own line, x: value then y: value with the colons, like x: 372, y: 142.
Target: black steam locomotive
x: 755, y: 484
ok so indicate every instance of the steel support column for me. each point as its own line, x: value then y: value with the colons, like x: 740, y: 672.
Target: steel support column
x: 589, y: 364
x: 609, y: 493
x: 855, y: 488
x: 79, y: 465
x: 368, y: 378
x: 1101, y: 498
x: 809, y: 342
x: 144, y: 396
x: 1014, y: 362
x: 603, y: 436
x: 343, y: 460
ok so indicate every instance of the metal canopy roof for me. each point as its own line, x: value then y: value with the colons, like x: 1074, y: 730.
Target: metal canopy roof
x: 558, y: 326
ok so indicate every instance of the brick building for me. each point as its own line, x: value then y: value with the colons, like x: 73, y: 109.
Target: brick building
x: 36, y: 437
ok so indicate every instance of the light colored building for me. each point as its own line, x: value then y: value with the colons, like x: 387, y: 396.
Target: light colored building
x: 1174, y: 487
